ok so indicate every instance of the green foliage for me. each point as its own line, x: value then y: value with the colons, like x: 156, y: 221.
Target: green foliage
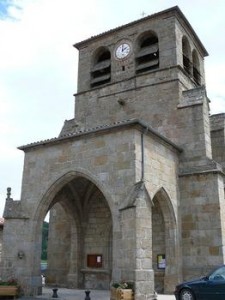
x: 44, y: 240
x: 123, y: 285
x: 11, y: 281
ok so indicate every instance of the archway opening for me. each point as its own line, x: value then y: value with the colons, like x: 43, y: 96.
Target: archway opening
x: 186, y: 49
x: 79, y: 251
x: 164, y: 243
x: 44, y: 248
x: 158, y: 246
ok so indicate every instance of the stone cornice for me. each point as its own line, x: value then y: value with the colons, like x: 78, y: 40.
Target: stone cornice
x: 205, y: 172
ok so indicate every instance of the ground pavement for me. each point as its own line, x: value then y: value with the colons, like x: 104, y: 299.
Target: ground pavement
x: 72, y: 294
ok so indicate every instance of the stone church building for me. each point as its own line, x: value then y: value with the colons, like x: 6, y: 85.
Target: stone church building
x: 135, y: 182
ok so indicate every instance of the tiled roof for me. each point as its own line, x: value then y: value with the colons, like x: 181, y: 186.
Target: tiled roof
x: 176, y: 9
x: 100, y: 128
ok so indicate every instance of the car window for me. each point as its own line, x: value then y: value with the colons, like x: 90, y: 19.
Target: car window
x: 219, y: 274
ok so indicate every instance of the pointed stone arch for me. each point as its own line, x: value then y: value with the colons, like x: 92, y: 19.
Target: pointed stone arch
x: 165, y: 241
x: 57, y: 185
x: 74, y: 191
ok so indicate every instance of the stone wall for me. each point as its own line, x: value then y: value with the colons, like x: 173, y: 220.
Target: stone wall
x: 217, y: 123
x: 59, y: 247
x: 202, y: 213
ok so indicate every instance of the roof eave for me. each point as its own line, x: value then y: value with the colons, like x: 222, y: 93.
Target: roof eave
x: 176, y: 9
x: 99, y: 129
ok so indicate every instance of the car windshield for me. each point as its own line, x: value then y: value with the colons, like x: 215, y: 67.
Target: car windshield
x: 217, y: 274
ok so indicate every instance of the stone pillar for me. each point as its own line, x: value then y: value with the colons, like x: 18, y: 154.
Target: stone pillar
x: 202, y: 222
x: 144, y: 274
x: 128, y: 245
x: 59, y: 247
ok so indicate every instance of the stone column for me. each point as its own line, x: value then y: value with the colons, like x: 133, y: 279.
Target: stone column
x: 144, y: 274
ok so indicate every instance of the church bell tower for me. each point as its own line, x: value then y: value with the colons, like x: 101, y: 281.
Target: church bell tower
x: 139, y: 71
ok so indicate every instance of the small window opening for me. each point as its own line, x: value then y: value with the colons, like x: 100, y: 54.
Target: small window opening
x: 101, y: 69
x: 196, y: 67
x: 148, y: 56
x: 187, y: 64
x: 149, y: 41
x: 197, y: 76
x: 123, y: 68
x: 186, y: 50
x: 104, y: 56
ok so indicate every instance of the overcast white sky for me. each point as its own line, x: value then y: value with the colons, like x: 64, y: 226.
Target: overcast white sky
x: 38, y: 65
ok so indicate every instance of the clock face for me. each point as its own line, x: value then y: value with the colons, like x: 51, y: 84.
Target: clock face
x: 123, y: 50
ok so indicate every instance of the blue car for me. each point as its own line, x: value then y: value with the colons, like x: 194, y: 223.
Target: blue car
x: 210, y: 287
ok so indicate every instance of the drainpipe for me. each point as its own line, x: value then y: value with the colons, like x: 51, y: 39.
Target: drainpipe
x: 143, y: 155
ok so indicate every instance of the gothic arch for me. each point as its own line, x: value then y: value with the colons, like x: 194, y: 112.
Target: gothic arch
x: 166, y: 205
x: 75, y: 192
x: 58, y: 184
x: 165, y: 241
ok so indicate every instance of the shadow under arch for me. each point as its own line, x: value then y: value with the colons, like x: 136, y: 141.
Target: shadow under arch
x: 58, y: 184
x: 166, y: 205
x: 165, y: 242
x: 61, y: 192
